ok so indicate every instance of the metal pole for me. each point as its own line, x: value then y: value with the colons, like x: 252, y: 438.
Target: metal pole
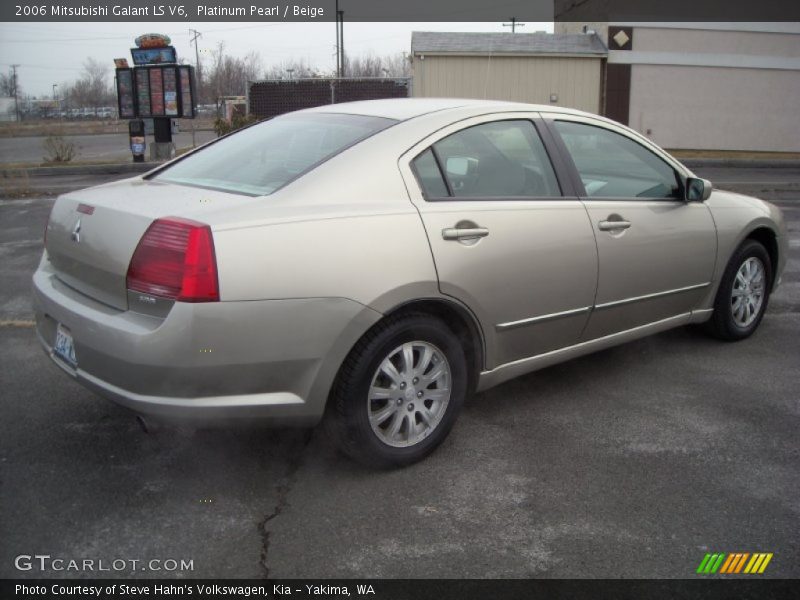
x: 197, y: 34
x: 341, y: 40
x: 16, y: 99
x: 338, y: 43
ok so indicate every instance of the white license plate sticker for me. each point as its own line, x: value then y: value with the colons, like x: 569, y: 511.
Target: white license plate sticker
x: 64, y: 347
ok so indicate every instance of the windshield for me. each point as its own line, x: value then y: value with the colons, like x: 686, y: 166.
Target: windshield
x: 262, y: 158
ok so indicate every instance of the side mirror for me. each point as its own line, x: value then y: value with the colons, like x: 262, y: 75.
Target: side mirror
x: 460, y: 166
x: 698, y: 190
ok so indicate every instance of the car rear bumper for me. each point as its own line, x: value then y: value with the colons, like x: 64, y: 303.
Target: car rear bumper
x: 268, y: 359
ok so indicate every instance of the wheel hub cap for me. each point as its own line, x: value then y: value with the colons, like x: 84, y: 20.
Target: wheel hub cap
x: 409, y: 393
x: 747, y: 296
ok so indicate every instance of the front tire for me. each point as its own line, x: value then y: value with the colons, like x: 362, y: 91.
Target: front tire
x: 743, y: 293
x: 399, y: 392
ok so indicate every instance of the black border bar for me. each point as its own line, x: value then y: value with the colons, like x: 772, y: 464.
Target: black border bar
x: 741, y: 588
x: 277, y: 11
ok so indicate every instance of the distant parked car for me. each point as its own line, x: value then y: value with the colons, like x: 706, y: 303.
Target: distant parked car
x: 207, y: 109
x: 376, y: 262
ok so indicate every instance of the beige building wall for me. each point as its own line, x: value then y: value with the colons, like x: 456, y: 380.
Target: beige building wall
x: 575, y: 81
x: 702, y: 86
x: 705, y: 41
x: 712, y: 108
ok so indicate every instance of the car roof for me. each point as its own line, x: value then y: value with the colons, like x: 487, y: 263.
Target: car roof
x: 402, y: 109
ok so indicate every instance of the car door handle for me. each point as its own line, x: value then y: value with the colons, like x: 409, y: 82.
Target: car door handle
x: 613, y: 225
x: 472, y: 233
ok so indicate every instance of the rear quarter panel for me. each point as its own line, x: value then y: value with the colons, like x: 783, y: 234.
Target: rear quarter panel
x: 346, y: 229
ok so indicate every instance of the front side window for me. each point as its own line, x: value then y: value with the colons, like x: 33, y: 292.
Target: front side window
x: 502, y: 159
x: 614, y: 166
x: 262, y: 158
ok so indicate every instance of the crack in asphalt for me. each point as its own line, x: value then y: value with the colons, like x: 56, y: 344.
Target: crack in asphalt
x: 283, y: 489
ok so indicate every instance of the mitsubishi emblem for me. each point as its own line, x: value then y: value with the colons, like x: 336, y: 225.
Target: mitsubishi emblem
x: 76, y: 232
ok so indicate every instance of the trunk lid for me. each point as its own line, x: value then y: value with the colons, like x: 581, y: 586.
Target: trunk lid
x: 92, y: 233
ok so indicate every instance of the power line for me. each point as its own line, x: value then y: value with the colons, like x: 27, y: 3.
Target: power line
x: 54, y: 39
x: 247, y: 27
x: 48, y: 67
x: 37, y: 29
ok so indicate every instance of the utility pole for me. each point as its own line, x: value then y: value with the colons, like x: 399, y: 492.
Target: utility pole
x: 197, y: 34
x: 513, y: 24
x: 340, y: 19
x: 16, y: 99
x: 338, y: 43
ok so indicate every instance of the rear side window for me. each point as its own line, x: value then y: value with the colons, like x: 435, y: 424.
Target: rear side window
x: 262, y: 158
x: 501, y: 159
x: 614, y: 166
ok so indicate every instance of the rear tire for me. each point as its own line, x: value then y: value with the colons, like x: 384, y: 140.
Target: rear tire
x: 398, y: 392
x: 743, y: 293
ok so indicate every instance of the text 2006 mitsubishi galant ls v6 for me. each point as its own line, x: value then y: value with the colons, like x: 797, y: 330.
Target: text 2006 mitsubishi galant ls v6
x: 374, y: 263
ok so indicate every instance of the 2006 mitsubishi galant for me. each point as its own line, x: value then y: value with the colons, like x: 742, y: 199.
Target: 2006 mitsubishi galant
x: 373, y: 263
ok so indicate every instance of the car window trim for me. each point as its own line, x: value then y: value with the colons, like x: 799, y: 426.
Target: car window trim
x: 413, y: 166
x: 438, y: 159
x: 452, y: 198
x: 561, y: 169
x: 549, y: 122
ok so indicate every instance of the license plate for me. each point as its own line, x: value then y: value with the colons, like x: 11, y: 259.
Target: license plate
x: 64, y: 347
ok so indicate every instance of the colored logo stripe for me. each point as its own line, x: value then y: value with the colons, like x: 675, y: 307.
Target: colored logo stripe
x: 710, y: 563
x: 758, y: 563
x: 734, y: 563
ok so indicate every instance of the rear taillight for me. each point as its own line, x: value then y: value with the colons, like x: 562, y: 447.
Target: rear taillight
x: 175, y: 259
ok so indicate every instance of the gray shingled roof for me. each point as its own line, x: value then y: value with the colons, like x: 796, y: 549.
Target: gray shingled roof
x: 434, y: 42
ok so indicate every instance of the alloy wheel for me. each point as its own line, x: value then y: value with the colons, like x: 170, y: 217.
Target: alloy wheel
x: 409, y: 394
x: 747, y: 295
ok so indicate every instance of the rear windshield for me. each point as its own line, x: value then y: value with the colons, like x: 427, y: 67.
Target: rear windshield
x: 262, y: 158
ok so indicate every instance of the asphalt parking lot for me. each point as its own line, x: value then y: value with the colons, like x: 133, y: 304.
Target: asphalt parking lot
x: 632, y: 462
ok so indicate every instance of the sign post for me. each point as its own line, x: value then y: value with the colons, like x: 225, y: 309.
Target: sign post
x: 136, y: 134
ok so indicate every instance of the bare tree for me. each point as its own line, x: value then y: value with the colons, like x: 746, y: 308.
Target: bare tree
x: 228, y: 75
x: 92, y: 88
x: 291, y: 69
x: 7, y: 85
x: 370, y: 65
